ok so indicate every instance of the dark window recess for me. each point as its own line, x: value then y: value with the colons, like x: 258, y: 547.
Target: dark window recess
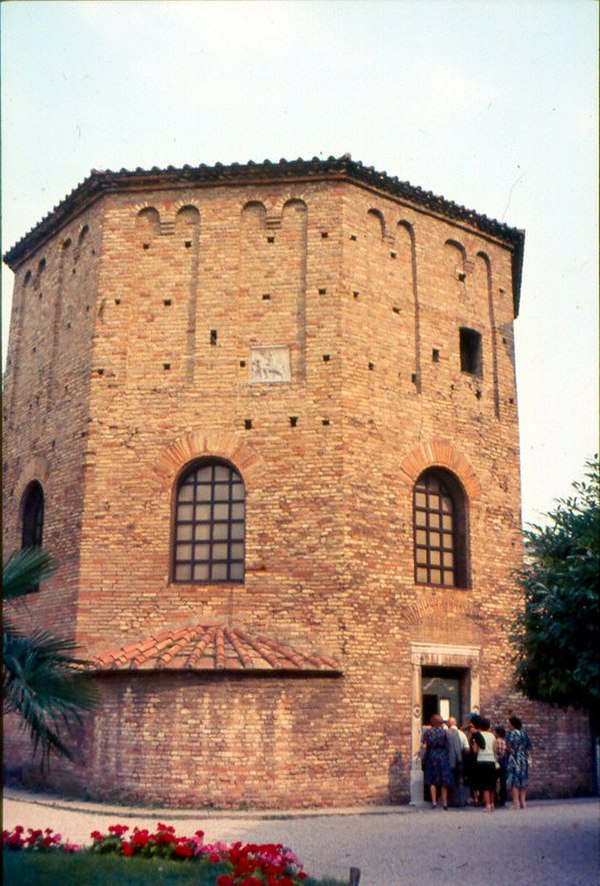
x: 188, y: 244
x: 266, y: 296
x: 470, y: 351
x: 324, y: 235
x: 371, y: 366
x: 322, y: 291
x: 270, y: 239
x: 353, y: 237
x: 326, y: 422
x: 248, y: 424
x: 117, y: 301
x: 440, y: 530
x: 293, y: 420
x: 356, y: 293
x: 242, y: 363
x: 146, y: 246
x: 33, y: 516
x: 33, y: 520
x: 167, y: 302
x: 435, y: 355
x: 213, y: 336
x: 166, y: 365
x: 326, y: 358
x: 413, y: 378
x: 396, y: 309
x: 208, y: 543
x: 393, y: 254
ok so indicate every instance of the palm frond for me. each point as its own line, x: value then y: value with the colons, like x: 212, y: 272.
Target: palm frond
x: 45, y: 685
x: 25, y: 569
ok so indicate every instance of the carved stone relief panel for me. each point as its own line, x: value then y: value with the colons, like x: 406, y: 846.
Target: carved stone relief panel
x: 270, y: 365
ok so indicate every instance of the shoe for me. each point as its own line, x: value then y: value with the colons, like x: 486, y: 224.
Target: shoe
x: 434, y: 805
x: 445, y: 809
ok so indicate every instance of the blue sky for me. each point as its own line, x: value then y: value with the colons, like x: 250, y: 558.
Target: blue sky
x: 491, y: 104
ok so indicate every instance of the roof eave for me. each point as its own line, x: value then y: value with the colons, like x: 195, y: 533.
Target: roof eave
x: 343, y: 168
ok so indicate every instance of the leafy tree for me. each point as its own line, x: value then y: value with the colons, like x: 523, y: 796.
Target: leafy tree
x: 43, y: 682
x: 557, y: 633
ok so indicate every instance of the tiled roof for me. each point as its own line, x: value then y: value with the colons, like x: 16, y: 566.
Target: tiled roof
x: 217, y: 647
x: 104, y: 181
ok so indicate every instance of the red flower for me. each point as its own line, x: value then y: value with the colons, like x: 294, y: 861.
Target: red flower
x: 184, y: 850
x: 128, y: 849
x: 225, y: 880
x: 118, y: 829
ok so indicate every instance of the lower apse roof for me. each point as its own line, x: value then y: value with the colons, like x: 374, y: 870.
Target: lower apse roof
x: 212, y: 648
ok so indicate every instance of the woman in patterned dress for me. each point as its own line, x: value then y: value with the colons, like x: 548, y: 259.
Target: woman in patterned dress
x: 518, y: 746
x: 437, y: 770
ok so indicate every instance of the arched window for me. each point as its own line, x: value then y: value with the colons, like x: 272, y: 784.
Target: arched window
x: 440, y: 519
x: 208, y: 544
x: 33, y: 516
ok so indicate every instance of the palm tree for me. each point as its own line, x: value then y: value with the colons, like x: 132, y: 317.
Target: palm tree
x: 43, y: 682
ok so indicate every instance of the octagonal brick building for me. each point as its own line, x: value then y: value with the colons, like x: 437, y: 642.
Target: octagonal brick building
x: 264, y: 416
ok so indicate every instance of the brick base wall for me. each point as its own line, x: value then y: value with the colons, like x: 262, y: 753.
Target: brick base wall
x: 261, y: 743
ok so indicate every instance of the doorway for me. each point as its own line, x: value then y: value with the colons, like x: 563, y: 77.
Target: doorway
x: 443, y: 692
x: 448, y: 663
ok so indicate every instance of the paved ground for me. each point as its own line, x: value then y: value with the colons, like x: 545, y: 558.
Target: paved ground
x: 551, y: 843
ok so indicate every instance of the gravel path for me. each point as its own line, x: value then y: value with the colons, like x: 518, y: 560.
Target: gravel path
x: 551, y: 843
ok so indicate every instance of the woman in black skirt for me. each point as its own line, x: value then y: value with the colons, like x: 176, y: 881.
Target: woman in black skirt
x: 482, y: 744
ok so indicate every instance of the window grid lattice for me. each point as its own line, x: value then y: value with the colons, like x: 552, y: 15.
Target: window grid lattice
x: 434, y: 533
x: 209, y: 526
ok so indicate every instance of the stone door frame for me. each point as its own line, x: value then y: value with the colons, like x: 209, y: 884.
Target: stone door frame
x: 441, y: 656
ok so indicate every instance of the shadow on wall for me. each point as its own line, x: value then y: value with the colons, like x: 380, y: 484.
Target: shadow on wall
x: 396, y: 780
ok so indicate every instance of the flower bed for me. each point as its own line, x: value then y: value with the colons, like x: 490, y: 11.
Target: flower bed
x: 236, y: 864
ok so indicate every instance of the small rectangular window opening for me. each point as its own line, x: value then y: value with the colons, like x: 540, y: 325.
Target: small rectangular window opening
x: 353, y: 237
x: 270, y: 239
x: 293, y: 420
x: 213, y: 336
x: 266, y: 296
x: 435, y: 355
x: 326, y: 358
x: 322, y: 290
x: 396, y: 309
x: 166, y: 366
x: 167, y: 302
x: 188, y: 244
x: 324, y: 235
x: 470, y: 351
x: 248, y: 424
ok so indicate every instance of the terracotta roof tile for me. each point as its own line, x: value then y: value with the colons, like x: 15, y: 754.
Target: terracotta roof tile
x: 212, y: 648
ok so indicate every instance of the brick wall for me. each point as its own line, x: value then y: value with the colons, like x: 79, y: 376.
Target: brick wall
x: 176, y: 289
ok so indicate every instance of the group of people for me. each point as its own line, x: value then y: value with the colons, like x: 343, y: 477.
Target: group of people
x: 487, y: 763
